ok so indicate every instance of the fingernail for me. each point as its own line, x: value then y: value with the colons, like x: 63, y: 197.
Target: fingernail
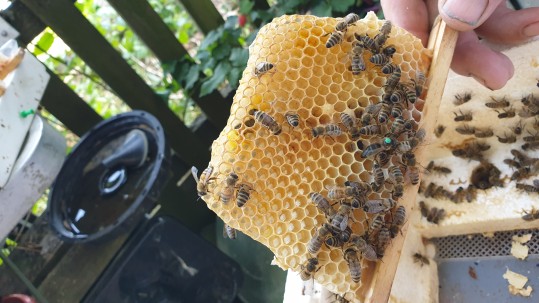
x: 531, y: 30
x: 480, y: 80
x: 467, y: 12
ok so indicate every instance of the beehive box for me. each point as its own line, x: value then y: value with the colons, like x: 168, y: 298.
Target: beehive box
x: 494, y: 209
x: 284, y: 164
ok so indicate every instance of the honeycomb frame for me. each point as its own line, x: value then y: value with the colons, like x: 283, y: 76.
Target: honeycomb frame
x: 313, y: 81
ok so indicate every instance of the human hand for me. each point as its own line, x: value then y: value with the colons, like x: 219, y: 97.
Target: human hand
x: 489, y: 19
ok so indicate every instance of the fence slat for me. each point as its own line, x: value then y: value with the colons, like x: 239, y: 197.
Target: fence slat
x: 204, y: 13
x: 158, y: 37
x: 93, y: 48
x: 24, y: 21
x: 62, y: 102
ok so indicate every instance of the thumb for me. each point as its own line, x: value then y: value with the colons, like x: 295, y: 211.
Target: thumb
x: 466, y: 15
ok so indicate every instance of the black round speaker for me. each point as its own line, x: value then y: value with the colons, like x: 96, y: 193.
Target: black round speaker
x: 113, y: 176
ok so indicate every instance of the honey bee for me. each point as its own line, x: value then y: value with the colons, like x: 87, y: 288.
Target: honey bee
x: 423, y: 208
x: 395, y: 174
x: 483, y: 133
x: 398, y: 95
x: 473, y: 150
x: 379, y: 205
x: 367, y: 251
x: 389, y: 68
x: 529, y: 188
x: 439, y: 130
x: 530, y: 145
x: 429, y: 190
x: 361, y: 188
x: 372, y: 109
x: 419, y: 258
x: 357, y: 62
x: 512, y: 163
x: 393, y: 80
x: 531, y: 137
x: 379, y: 59
x: 419, y: 82
x: 244, y: 193
x: 405, y: 146
x: 461, y: 99
x: 397, y: 110
x: 399, y: 216
x: 322, y: 204
x: 463, y: 116
x: 351, y: 257
x: 262, y: 68
x: 508, y: 113
x: 471, y: 193
x: 347, y: 121
x: 465, y: 129
x: 334, y: 241
x: 318, y: 239
x: 332, y: 130
x: 340, y: 220
x: 267, y: 121
x: 378, y: 174
x: 501, y: 103
x: 507, y: 139
x: 398, y: 191
x: 522, y: 172
x: 383, y: 158
x: 517, y: 129
x: 345, y: 234
x: 292, y: 119
x: 386, y: 28
x: 228, y: 190
x: 372, y: 150
x: 308, y: 269
x: 413, y: 175
x: 377, y: 223
x: 435, y: 215
x: 531, y: 215
x: 339, y: 192
x: 384, y: 237
x: 366, y: 118
x: 205, y: 179
x: 336, y: 38
x: 370, y: 130
x: 408, y: 159
x: 389, y: 50
x: 438, y: 169
x: 368, y: 42
x: 347, y: 21
x: 383, y: 114
x: 519, y: 155
x: 397, y: 125
x: 229, y: 232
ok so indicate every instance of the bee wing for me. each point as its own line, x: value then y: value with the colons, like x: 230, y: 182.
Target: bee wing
x: 194, y: 171
x: 344, y: 223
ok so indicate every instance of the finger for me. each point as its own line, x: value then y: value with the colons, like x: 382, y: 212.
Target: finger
x: 465, y: 15
x: 472, y: 58
x: 509, y: 26
x: 411, y: 15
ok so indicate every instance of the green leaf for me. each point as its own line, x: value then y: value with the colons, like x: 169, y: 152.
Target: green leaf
x: 164, y: 94
x: 231, y: 22
x: 211, y: 38
x: 219, y: 75
x: 184, y: 37
x: 239, y: 57
x: 221, y: 51
x: 246, y: 6
x: 44, y: 43
x: 208, y: 64
x: 192, y: 76
x: 323, y: 9
x: 233, y: 77
x: 341, y: 6
x: 169, y: 67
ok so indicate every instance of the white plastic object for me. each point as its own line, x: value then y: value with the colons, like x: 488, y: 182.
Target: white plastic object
x: 24, y: 88
x: 34, y: 171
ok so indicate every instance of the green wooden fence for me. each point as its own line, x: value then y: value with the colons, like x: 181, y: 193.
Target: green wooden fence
x: 54, y: 274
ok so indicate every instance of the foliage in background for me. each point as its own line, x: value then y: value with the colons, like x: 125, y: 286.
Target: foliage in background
x: 222, y: 55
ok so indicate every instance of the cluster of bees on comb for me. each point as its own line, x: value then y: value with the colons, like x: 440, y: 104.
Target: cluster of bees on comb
x: 521, y: 134
x: 319, y: 149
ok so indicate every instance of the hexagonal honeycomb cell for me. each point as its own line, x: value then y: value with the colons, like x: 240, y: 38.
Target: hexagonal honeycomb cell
x: 285, y: 139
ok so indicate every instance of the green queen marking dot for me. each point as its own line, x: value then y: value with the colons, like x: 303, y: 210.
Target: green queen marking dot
x: 387, y: 140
